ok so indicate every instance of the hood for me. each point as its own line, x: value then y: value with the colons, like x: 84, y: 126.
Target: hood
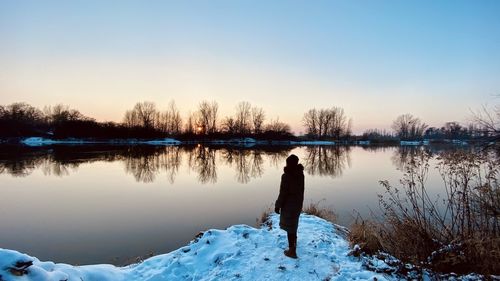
x: 294, y: 169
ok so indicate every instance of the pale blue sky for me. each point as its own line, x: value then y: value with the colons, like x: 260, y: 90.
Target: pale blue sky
x: 376, y: 59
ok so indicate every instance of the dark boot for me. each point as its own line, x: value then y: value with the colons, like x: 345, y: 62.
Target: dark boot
x: 292, y: 246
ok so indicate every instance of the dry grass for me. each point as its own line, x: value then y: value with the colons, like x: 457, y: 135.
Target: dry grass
x: 323, y: 212
x: 264, y: 218
x: 364, y: 234
x: 312, y: 209
x: 459, y: 234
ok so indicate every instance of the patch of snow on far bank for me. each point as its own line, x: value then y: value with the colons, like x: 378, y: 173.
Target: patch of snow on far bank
x: 38, y: 141
x: 313, y: 142
x: 239, y: 253
x: 410, y: 142
x: 165, y: 141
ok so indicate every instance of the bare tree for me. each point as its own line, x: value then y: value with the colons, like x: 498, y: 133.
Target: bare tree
x: 229, y: 125
x: 257, y: 119
x: 408, y: 127
x: 22, y: 112
x: 190, y: 124
x: 488, y: 120
x: 130, y: 119
x: 144, y: 114
x: 213, y: 117
x: 278, y: 127
x: 243, y: 115
x: 337, y: 123
x: 207, y: 116
x: 327, y: 123
x: 204, y: 116
x: 453, y: 130
x: 170, y: 121
x: 310, y: 121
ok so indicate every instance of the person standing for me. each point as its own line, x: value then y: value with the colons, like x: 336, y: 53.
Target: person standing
x: 290, y: 201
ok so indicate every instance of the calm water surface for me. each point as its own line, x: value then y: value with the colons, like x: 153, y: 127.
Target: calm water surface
x: 104, y: 204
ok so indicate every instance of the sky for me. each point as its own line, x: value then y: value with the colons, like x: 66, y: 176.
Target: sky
x: 438, y: 60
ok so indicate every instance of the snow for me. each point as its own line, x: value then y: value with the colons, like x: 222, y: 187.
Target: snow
x: 245, y: 142
x: 459, y: 142
x: 316, y: 142
x: 38, y: 141
x: 410, y: 142
x: 240, y: 252
x: 165, y: 141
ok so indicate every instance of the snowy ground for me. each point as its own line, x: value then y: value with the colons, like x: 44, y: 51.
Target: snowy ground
x: 238, y: 253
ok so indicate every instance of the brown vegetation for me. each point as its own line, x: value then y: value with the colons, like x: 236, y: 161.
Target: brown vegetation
x: 363, y: 233
x: 323, y: 212
x: 312, y: 209
x: 460, y: 233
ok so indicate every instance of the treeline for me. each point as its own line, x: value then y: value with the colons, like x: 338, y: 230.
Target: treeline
x: 206, y: 122
x: 59, y: 121
x: 146, y: 120
x: 407, y: 127
x: 247, y: 120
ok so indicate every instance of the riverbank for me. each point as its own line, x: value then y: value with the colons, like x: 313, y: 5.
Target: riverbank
x: 237, y: 253
x: 240, y: 252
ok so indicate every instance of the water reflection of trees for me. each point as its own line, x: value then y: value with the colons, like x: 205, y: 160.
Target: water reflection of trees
x: 277, y: 157
x: 51, y: 167
x: 406, y: 155
x: 202, y: 159
x: 248, y: 163
x: 327, y: 160
x: 144, y: 163
x: 20, y: 162
x: 20, y: 167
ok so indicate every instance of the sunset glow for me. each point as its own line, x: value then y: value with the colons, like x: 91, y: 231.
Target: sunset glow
x: 438, y: 63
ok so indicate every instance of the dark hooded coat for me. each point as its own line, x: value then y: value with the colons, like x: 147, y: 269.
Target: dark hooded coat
x: 291, y: 197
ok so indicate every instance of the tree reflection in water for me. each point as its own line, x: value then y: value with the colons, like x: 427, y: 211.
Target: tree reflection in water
x: 144, y: 163
x: 202, y: 159
x: 20, y: 161
x: 248, y: 163
x: 327, y: 160
x: 405, y: 155
x: 21, y: 167
x: 50, y: 167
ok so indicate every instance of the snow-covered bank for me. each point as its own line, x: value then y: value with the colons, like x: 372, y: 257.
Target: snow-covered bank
x: 238, y: 253
x: 38, y: 141
x: 314, y: 142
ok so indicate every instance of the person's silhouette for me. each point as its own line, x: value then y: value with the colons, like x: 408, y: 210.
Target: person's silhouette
x: 290, y: 200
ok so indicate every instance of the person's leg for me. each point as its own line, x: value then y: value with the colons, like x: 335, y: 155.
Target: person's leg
x: 292, y: 245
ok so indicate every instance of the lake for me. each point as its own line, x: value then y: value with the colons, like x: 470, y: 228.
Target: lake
x: 112, y: 204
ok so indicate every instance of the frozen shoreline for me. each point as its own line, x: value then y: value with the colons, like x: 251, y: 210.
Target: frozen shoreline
x: 240, y: 252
